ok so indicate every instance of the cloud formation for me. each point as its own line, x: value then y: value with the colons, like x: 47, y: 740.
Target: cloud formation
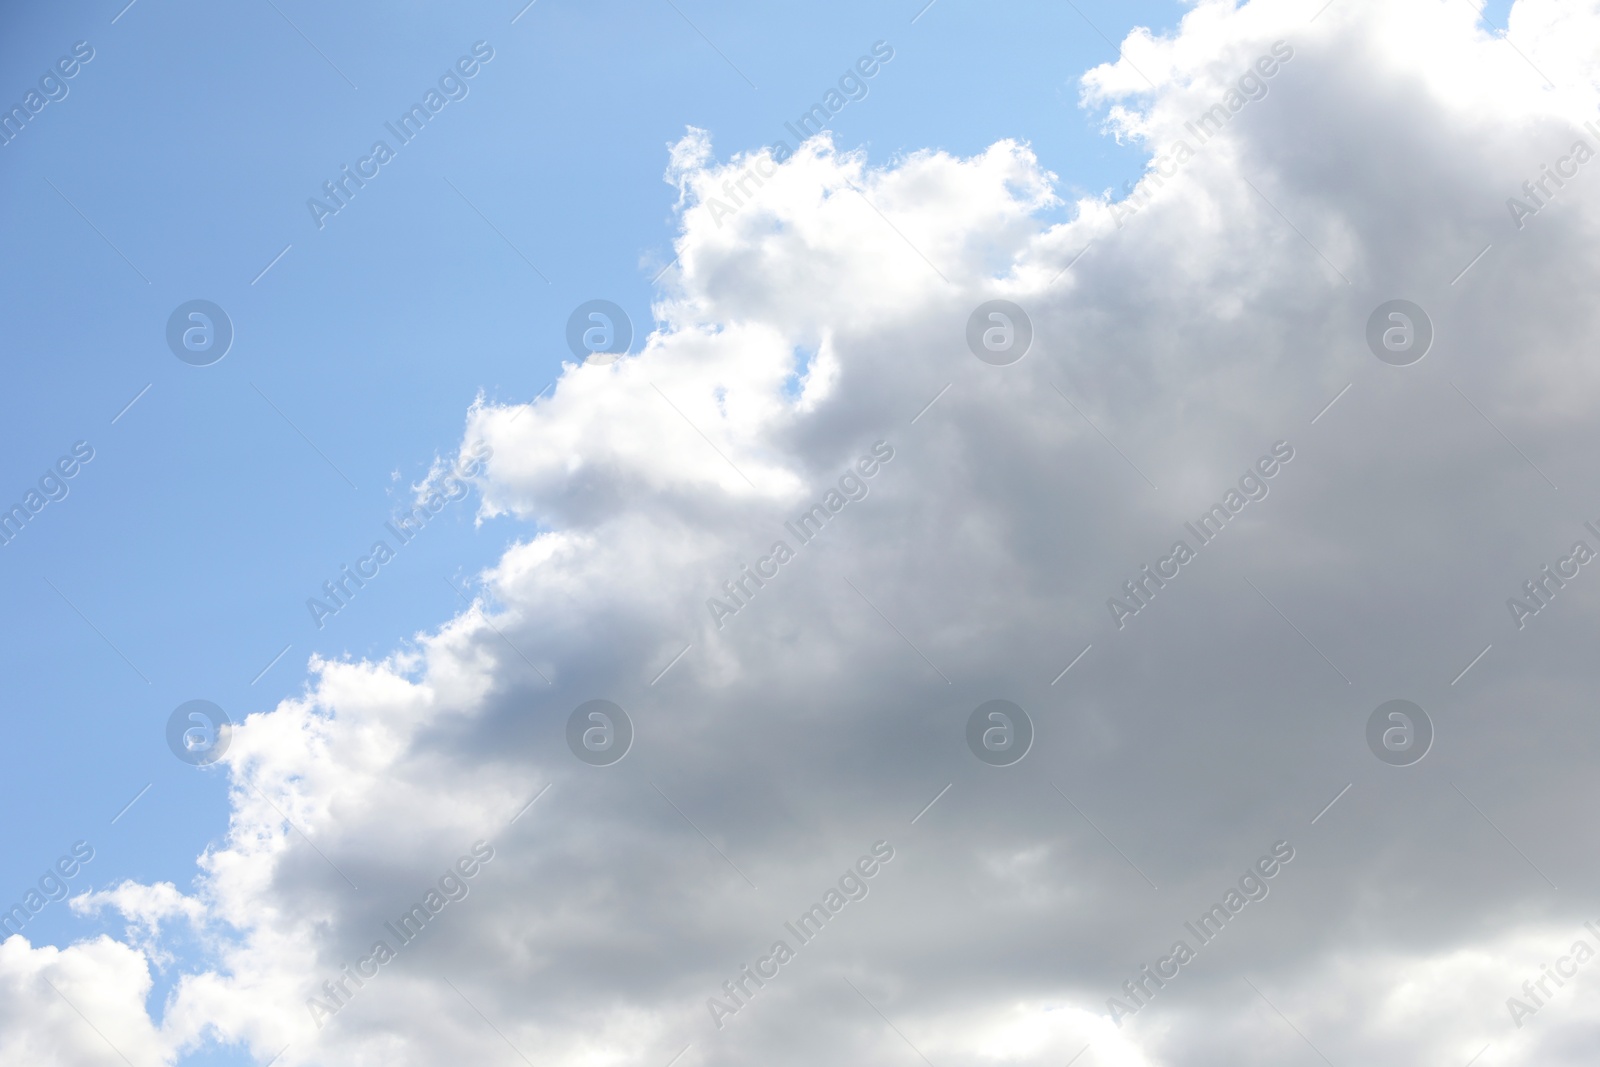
x: 1172, y: 347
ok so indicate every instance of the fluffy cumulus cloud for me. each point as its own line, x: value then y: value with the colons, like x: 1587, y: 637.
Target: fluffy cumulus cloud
x: 804, y: 532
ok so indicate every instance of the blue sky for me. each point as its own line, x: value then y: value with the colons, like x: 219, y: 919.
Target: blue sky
x: 178, y: 167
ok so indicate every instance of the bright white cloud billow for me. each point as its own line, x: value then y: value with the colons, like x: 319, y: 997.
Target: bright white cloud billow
x: 1207, y: 324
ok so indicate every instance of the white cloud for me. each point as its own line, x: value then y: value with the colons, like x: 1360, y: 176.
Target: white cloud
x: 48, y: 994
